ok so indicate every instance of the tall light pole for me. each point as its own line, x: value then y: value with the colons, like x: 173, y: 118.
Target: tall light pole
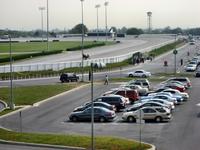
x: 11, y: 76
x: 92, y: 112
x: 82, y: 39
x: 97, y: 7
x: 42, y: 9
x: 47, y: 25
x: 106, y: 19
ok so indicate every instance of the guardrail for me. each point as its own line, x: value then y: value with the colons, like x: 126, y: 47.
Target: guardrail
x: 62, y: 65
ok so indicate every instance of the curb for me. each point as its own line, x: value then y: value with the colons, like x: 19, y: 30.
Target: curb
x: 4, y: 104
x: 41, y: 145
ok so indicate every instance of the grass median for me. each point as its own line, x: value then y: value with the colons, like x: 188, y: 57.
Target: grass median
x: 28, y: 95
x: 106, y: 143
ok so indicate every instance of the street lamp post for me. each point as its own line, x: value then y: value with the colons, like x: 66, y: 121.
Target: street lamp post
x: 82, y: 39
x: 47, y: 25
x: 11, y: 76
x: 92, y: 112
x: 106, y: 23
x: 97, y: 7
x: 42, y: 9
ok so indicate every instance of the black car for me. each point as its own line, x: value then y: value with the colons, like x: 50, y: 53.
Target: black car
x: 100, y: 114
x: 69, y: 77
x: 99, y: 104
x: 197, y: 74
x: 116, y: 100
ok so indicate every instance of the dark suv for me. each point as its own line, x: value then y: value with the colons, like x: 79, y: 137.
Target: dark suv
x: 116, y: 100
x: 69, y: 77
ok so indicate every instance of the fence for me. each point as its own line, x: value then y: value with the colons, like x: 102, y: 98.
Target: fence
x: 62, y: 65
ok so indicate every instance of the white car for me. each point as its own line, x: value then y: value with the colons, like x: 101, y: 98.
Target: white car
x: 191, y: 67
x: 139, y: 73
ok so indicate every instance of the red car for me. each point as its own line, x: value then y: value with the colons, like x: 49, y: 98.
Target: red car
x: 131, y: 94
x: 177, y: 87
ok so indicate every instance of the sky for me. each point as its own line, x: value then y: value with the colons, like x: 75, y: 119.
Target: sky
x: 65, y: 14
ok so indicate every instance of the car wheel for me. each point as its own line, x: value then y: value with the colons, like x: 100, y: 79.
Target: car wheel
x: 62, y: 81
x: 102, y: 119
x: 130, y: 75
x: 74, y: 119
x: 131, y: 119
x: 158, y: 119
x: 144, y: 76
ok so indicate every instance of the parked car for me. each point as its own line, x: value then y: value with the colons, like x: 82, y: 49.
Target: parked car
x: 176, y: 86
x: 100, y: 114
x: 69, y: 77
x: 146, y: 104
x: 118, y: 101
x: 190, y: 67
x: 131, y: 94
x: 197, y: 73
x: 98, y: 104
x: 139, y: 73
x: 184, y: 80
x: 147, y: 113
x: 177, y: 92
x: 162, y: 101
x: 179, y: 98
x: 142, y: 82
x: 164, y: 97
x: 141, y: 90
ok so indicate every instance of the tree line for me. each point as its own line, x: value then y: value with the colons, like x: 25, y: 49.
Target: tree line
x: 77, y: 29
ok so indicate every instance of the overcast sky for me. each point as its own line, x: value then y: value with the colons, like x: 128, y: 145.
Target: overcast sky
x: 25, y: 15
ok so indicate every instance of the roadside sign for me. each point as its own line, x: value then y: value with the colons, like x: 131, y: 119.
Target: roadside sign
x: 175, y: 52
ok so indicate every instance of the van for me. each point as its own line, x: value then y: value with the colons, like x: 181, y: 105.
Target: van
x: 116, y: 100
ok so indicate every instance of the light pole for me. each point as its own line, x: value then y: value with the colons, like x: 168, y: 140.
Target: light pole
x: 11, y: 76
x: 42, y: 9
x: 82, y: 39
x: 97, y: 7
x: 106, y: 18
x: 47, y: 25
x: 92, y: 112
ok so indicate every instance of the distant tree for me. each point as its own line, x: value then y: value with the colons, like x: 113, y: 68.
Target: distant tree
x: 78, y: 29
x: 114, y: 29
x: 123, y: 30
x: 36, y: 33
x: 176, y: 31
x: 53, y: 34
x: 167, y: 30
x: 134, y: 31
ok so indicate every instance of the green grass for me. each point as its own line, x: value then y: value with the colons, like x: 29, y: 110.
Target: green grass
x: 41, y: 46
x: 106, y: 143
x: 31, y: 94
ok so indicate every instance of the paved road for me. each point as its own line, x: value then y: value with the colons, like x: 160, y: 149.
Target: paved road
x: 18, y: 147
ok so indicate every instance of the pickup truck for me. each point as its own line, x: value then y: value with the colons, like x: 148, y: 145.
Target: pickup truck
x: 69, y: 77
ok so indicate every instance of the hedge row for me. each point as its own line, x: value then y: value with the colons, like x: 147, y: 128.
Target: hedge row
x: 24, y: 56
x: 86, y: 46
x: 164, y: 49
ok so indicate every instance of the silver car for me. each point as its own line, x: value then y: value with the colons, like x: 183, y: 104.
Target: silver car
x: 148, y: 113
